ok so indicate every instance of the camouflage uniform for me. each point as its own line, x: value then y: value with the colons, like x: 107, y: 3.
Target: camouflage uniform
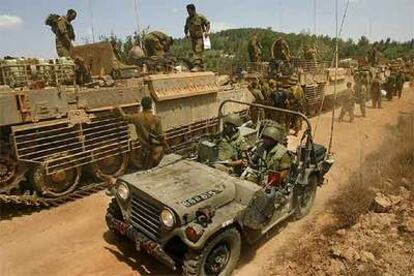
x: 280, y: 50
x: 376, y: 93
x: 196, y: 26
x: 399, y: 83
x: 157, y: 44
x: 277, y: 159
x: 310, y: 54
x: 254, y: 49
x: 232, y: 148
x: 150, y: 134
x: 64, y: 36
x: 348, y: 104
x: 361, y: 97
x: 296, y: 103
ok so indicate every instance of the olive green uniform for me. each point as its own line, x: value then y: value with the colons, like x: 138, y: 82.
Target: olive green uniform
x: 376, y: 96
x: 296, y: 103
x: 254, y: 49
x: 280, y: 50
x: 361, y: 97
x: 399, y: 83
x: 231, y: 148
x: 277, y: 159
x: 157, y: 44
x: 64, y: 36
x: 348, y: 104
x: 196, y: 25
x: 150, y: 134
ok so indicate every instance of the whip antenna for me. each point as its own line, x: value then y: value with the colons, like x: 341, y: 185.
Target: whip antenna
x: 92, y: 26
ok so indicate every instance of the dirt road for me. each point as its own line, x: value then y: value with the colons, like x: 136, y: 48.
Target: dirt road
x: 73, y: 239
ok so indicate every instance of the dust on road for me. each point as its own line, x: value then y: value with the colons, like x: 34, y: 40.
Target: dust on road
x: 73, y: 239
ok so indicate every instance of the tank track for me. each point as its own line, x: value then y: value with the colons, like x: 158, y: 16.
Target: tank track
x: 33, y: 200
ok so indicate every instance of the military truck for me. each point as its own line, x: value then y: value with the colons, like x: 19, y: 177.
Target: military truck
x: 188, y: 213
x: 59, y: 139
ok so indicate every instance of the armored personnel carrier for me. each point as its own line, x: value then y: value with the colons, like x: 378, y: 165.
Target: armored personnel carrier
x: 317, y: 79
x: 190, y: 214
x: 54, y: 133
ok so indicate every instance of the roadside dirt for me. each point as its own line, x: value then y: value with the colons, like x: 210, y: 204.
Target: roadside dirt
x: 73, y: 239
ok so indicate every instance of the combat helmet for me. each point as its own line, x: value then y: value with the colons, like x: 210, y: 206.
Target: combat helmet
x: 233, y: 119
x: 273, y: 133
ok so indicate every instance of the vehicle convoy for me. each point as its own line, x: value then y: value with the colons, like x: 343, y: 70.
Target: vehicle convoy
x: 187, y: 213
x: 57, y: 136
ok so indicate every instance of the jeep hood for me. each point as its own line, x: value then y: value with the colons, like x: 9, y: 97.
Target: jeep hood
x: 186, y: 186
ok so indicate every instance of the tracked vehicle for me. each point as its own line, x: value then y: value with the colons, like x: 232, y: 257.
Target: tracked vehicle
x: 57, y: 139
x: 188, y: 213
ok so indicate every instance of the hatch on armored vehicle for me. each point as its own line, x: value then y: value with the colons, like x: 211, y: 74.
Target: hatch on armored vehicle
x: 187, y: 212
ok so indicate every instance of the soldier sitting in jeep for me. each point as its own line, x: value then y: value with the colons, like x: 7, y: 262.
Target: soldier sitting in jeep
x: 270, y: 155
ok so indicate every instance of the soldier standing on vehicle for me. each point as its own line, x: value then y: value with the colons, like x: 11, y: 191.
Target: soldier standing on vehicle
x: 157, y: 44
x: 271, y: 155
x: 232, y: 144
x: 255, y: 49
x: 196, y: 27
x: 63, y: 29
x: 376, y: 95
x: 348, y: 103
x: 280, y: 50
x: 149, y: 132
x: 361, y: 94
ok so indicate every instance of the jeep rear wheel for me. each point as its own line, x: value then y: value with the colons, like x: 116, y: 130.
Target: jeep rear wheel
x: 305, y: 197
x: 218, y: 257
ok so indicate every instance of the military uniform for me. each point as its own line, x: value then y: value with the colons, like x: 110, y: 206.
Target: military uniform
x: 296, y: 103
x: 196, y: 25
x: 65, y: 34
x: 280, y: 50
x: 150, y: 134
x: 376, y: 93
x: 348, y: 104
x: 361, y: 96
x: 276, y: 159
x: 157, y: 44
x: 390, y: 87
x: 399, y: 83
x: 254, y: 49
x: 310, y: 54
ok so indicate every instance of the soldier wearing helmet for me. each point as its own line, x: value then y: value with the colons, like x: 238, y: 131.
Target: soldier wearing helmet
x: 157, y: 44
x: 232, y: 144
x: 271, y: 154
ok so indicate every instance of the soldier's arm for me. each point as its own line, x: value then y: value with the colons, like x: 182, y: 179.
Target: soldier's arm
x: 187, y: 26
x: 126, y: 117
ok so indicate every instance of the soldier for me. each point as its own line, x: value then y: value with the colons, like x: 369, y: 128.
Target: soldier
x: 399, y: 83
x: 296, y: 103
x: 149, y: 132
x: 373, y: 55
x: 310, y: 53
x: 157, y: 44
x: 63, y: 29
x: 348, y: 103
x: 232, y: 145
x: 376, y: 92
x: 196, y: 27
x: 255, y: 49
x: 390, y: 86
x: 271, y: 155
x: 360, y: 94
x: 280, y: 50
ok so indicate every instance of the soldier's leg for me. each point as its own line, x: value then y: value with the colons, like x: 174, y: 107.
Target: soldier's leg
x: 156, y: 155
x: 198, y: 49
x: 400, y: 92
x: 351, y: 115
x: 363, y: 110
x: 62, y: 49
x: 374, y: 102
x: 342, y: 114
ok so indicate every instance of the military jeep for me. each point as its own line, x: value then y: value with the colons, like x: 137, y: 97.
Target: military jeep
x: 188, y: 214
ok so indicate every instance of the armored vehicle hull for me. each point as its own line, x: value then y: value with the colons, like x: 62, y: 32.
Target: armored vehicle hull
x: 57, y: 142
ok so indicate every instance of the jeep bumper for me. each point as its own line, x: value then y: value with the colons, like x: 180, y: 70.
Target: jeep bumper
x: 141, y: 241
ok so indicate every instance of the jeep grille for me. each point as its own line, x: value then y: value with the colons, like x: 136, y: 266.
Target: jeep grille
x: 145, y: 216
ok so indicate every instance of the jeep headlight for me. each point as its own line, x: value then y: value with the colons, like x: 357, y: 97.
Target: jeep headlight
x: 123, y: 191
x: 167, y: 218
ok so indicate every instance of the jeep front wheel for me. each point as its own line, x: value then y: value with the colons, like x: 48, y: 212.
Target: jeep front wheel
x: 218, y: 257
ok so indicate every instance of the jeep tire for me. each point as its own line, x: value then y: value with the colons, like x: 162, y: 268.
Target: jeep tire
x: 114, y: 211
x: 218, y: 257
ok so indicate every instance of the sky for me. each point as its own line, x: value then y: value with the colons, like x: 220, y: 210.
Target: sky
x: 23, y: 32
